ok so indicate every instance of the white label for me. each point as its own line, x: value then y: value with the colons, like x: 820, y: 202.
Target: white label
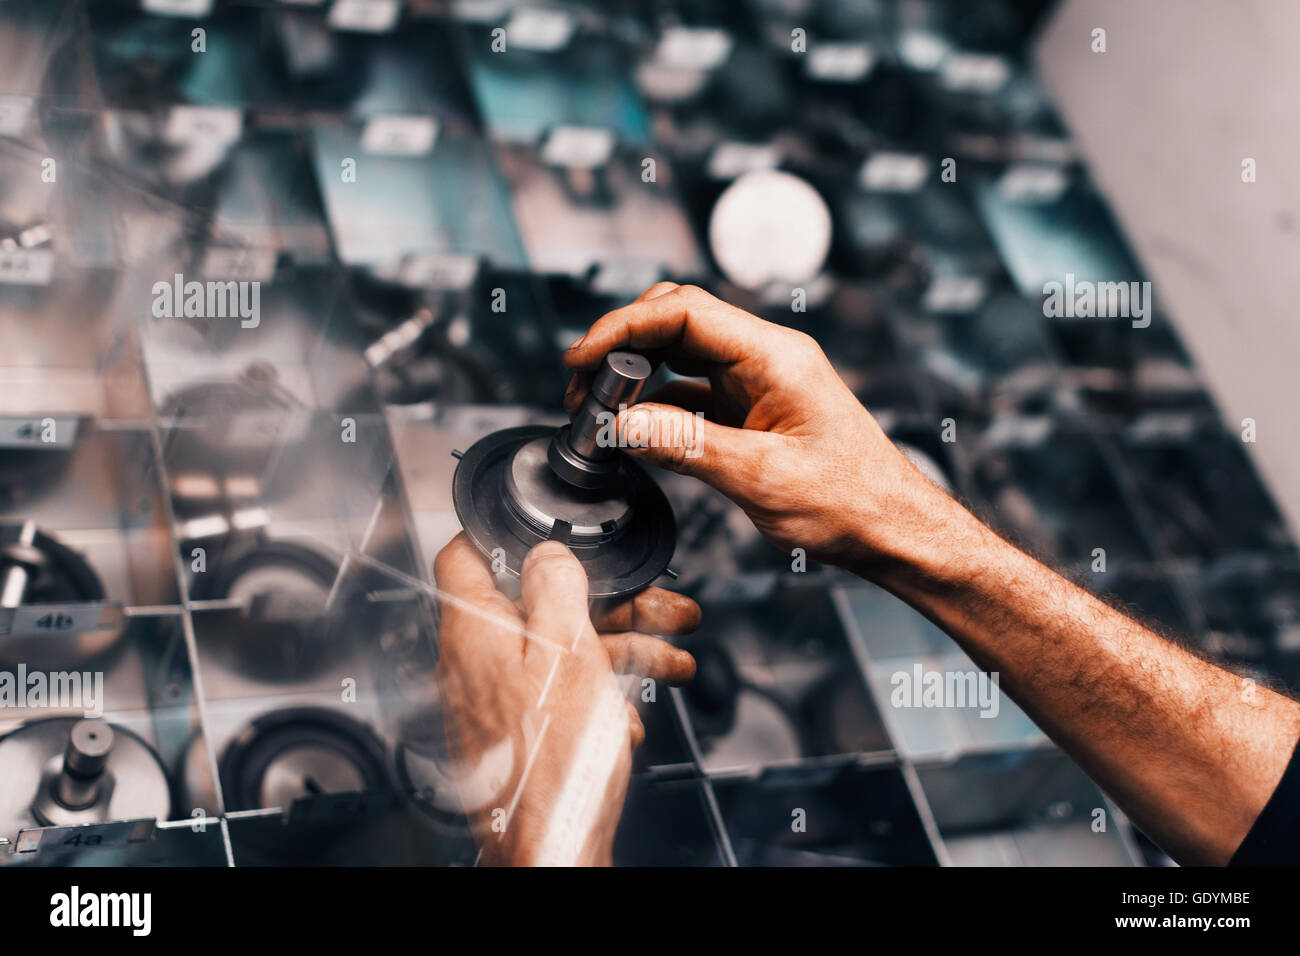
x: 88, y: 836
x: 439, y: 272
x: 14, y: 113
x: 730, y: 160
x: 922, y: 50
x: 209, y: 123
x: 538, y: 28
x: 399, y: 135
x: 1160, y: 427
x: 693, y: 48
x: 46, y: 620
x: 365, y: 16
x: 1033, y: 183
x: 178, y: 8
x: 949, y: 293
x: 840, y: 62
x: 479, y: 11
x: 578, y: 147
x: 895, y: 172
x: 26, y: 266
x: 1018, y: 431
x: 975, y: 72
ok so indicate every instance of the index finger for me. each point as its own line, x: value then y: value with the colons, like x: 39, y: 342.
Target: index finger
x: 686, y: 317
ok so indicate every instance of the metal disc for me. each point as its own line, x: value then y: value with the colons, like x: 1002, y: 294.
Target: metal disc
x: 541, y: 498
x: 626, y: 563
x: 35, y: 751
x: 300, y: 752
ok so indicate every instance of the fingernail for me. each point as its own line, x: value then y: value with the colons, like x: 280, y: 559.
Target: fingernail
x: 576, y: 342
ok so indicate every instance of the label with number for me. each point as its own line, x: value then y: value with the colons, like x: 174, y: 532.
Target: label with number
x: 578, y: 147
x: 399, y: 135
x: 440, y: 271
x: 540, y: 29
x: 49, y: 620
x: 26, y: 266
x: 90, y: 836
x: 693, y: 48
x: 178, y: 8
x: 39, y: 431
x: 365, y: 16
x: 209, y: 123
x: 840, y: 62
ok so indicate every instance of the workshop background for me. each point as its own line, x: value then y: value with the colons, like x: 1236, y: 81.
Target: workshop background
x: 234, y: 521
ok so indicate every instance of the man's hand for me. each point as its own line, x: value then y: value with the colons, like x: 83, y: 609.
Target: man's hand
x: 1188, y: 750
x: 781, y: 434
x: 537, y: 725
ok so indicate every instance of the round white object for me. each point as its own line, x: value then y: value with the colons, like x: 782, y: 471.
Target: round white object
x: 770, y: 226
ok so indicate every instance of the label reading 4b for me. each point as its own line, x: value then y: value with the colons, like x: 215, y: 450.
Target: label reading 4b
x: 47, y: 620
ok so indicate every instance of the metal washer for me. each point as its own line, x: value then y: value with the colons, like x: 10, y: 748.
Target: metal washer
x: 626, y: 563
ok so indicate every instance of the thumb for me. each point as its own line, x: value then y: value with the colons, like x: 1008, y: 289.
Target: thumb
x: 690, y: 444
x: 554, y: 593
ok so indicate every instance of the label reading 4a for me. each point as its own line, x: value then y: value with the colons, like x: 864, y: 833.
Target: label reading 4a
x: 45, y: 432
x: 26, y: 266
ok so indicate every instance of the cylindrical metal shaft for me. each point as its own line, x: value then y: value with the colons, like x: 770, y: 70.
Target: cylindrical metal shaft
x: 89, y: 744
x: 584, y: 453
x: 15, y: 573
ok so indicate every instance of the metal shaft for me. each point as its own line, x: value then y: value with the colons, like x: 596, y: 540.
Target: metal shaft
x: 14, y: 571
x: 584, y: 453
x: 89, y: 744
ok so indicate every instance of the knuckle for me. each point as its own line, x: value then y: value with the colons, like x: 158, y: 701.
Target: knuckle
x: 693, y: 294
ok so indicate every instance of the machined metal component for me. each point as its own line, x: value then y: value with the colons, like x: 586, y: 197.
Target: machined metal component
x: 66, y: 771
x: 19, y: 563
x: 584, y: 453
x: 89, y: 744
x: 521, y: 486
x: 624, y: 536
x: 538, y: 496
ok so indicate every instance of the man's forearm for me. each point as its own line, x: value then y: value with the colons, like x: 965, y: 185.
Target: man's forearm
x: 1190, y: 751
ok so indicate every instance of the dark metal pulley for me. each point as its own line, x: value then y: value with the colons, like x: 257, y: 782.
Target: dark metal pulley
x: 521, y: 486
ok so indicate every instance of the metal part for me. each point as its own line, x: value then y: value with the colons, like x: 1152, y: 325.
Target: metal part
x: 89, y: 744
x: 542, y: 500
x: 584, y: 453
x: 289, y: 630
x: 633, y: 546
x: 66, y: 771
x: 302, y: 761
x: 301, y: 752
x: 19, y: 561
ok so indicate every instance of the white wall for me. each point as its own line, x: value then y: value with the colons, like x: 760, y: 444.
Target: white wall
x: 1185, y: 91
